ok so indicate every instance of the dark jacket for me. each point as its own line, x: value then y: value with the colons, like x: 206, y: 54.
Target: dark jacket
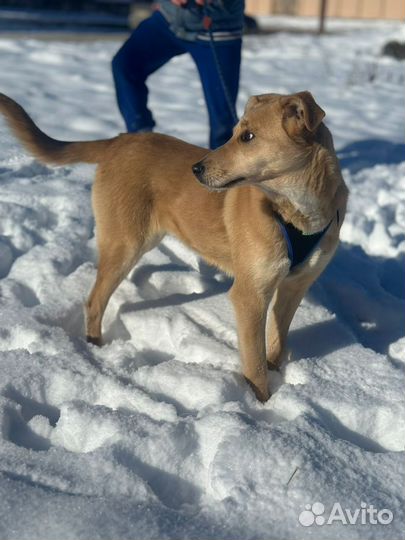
x: 187, y: 22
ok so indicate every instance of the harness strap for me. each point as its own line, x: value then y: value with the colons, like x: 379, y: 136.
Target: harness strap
x: 300, y: 245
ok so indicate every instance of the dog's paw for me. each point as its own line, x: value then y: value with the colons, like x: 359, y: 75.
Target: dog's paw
x: 94, y: 340
x: 262, y: 393
x: 272, y: 366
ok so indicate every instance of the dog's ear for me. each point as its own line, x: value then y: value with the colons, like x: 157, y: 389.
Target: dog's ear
x: 301, y: 114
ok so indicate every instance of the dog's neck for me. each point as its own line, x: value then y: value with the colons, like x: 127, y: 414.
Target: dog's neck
x: 285, y: 208
x: 309, y: 197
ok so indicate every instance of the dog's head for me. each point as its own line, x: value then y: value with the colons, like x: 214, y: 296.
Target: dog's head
x: 273, y: 138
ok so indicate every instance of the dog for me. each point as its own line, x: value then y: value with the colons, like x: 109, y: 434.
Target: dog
x: 265, y: 208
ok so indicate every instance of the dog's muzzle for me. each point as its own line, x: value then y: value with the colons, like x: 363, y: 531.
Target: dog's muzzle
x: 199, y: 171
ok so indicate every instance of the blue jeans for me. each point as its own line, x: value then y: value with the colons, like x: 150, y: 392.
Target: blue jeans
x: 149, y: 47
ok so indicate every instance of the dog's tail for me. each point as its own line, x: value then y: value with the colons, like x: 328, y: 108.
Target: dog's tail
x: 45, y: 148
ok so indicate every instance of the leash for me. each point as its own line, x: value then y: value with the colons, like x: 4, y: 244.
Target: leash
x: 207, y: 23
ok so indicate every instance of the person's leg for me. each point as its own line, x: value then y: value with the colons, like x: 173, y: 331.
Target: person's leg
x: 229, y: 57
x: 150, y: 46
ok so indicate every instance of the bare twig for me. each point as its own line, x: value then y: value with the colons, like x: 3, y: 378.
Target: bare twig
x: 292, y: 476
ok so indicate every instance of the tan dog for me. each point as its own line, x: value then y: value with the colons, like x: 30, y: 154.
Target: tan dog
x: 279, y: 167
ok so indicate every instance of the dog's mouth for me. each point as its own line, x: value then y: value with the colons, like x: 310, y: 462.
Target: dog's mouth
x: 227, y: 185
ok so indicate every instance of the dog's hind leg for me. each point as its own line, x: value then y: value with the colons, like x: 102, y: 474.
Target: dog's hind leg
x: 125, y: 228
x: 115, y: 262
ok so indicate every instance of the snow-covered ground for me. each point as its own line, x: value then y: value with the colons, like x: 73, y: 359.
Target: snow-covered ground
x: 156, y: 435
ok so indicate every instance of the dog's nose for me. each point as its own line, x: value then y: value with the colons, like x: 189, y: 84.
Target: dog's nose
x: 198, y: 170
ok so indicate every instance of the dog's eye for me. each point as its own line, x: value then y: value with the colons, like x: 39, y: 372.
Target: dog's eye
x: 247, y: 136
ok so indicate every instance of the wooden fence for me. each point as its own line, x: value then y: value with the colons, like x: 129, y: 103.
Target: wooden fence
x: 353, y: 9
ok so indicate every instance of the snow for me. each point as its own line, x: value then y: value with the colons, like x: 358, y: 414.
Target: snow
x: 156, y: 435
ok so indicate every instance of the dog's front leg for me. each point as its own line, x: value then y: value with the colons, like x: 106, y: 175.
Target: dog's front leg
x: 251, y: 309
x: 286, y: 300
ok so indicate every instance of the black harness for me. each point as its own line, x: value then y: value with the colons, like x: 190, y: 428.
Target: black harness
x: 300, y: 245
